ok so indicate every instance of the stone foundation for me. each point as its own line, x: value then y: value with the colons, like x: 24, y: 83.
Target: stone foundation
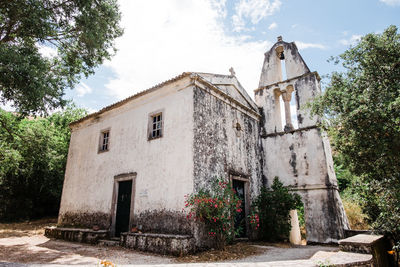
x: 176, y: 245
x: 76, y: 234
x: 84, y: 220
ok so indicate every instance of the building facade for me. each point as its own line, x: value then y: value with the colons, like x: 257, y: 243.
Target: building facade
x: 130, y: 164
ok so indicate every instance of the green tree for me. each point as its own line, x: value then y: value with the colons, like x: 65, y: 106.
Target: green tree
x: 273, y: 207
x: 362, y: 107
x: 33, y: 154
x: 81, y: 32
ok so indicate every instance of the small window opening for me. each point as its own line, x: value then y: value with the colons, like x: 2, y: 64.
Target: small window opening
x: 282, y: 104
x: 283, y: 69
x: 104, y: 141
x: 293, y: 111
x: 281, y: 57
x: 238, y: 127
x: 156, y: 126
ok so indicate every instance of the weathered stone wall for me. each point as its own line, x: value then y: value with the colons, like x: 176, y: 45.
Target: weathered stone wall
x: 220, y: 149
x: 76, y: 234
x: 163, y: 221
x: 272, y: 71
x: 163, y: 166
x: 178, y: 245
x: 302, y: 161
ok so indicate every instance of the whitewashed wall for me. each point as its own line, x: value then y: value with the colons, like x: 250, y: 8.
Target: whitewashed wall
x: 164, y: 166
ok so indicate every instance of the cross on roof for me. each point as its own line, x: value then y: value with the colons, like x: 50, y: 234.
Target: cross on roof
x: 232, y: 71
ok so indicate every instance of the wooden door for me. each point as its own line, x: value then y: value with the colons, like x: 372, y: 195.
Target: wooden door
x: 240, y: 219
x: 123, y: 207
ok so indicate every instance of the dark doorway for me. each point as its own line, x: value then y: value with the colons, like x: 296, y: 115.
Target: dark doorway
x: 240, y: 219
x: 123, y: 207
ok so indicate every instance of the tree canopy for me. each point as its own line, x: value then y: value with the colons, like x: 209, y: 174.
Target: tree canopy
x: 33, y: 155
x: 362, y: 108
x: 79, y: 34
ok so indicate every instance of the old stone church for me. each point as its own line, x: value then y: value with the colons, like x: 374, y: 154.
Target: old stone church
x: 131, y: 163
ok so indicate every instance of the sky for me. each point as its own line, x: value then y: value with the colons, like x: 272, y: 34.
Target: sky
x: 164, y: 38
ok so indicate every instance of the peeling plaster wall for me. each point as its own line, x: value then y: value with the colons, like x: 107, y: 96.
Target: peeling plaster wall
x: 271, y: 71
x: 302, y: 160
x: 221, y: 150
x: 164, y: 166
x: 218, y: 149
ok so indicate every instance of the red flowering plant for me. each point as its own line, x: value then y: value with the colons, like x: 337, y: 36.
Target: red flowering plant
x: 216, y: 208
x: 254, y: 220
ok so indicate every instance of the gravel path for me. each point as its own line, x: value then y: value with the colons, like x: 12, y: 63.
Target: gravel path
x: 38, y: 249
x: 273, y: 253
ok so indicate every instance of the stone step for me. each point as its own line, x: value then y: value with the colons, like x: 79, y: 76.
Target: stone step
x: 361, y: 243
x: 108, y: 243
x: 376, y: 245
x: 177, y: 245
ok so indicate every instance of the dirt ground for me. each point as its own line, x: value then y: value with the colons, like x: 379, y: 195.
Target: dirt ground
x: 25, y: 243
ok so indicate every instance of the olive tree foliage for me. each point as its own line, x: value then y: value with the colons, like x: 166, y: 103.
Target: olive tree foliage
x: 362, y: 108
x: 33, y: 155
x: 80, y: 33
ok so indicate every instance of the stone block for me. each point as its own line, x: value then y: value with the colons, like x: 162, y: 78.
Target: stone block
x: 177, y: 245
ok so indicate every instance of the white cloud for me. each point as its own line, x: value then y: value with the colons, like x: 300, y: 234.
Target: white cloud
x: 391, y: 2
x: 255, y: 10
x: 47, y: 51
x: 272, y: 26
x: 83, y: 89
x: 179, y: 36
x: 353, y: 39
x: 302, y: 45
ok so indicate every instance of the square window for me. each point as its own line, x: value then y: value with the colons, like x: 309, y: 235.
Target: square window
x: 155, y: 125
x: 104, y: 144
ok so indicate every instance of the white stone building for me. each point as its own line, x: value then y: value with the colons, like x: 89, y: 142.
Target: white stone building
x: 131, y: 163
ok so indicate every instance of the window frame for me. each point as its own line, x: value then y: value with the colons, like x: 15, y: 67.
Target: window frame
x: 101, y: 140
x: 151, y: 122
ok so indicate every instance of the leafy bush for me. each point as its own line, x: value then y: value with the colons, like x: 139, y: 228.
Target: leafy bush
x: 273, y: 207
x: 33, y: 155
x: 216, y: 208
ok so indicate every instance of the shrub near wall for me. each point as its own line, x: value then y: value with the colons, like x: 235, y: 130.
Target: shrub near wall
x: 272, y: 207
x: 216, y: 208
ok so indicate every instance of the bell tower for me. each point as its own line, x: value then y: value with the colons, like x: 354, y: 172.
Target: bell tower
x: 294, y: 148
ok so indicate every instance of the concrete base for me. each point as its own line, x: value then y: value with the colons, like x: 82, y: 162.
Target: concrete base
x: 177, y: 245
x: 375, y: 245
x: 76, y: 234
